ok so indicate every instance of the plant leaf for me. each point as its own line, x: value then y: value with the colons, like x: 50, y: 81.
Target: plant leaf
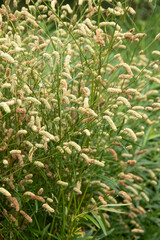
x: 100, y: 223
x: 92, y: 220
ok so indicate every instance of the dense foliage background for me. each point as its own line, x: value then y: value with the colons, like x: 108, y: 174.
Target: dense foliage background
x: 79, y: 120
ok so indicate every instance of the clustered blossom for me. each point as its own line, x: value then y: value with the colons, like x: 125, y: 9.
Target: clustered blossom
x: 73, y: 107
x: 48, y: 208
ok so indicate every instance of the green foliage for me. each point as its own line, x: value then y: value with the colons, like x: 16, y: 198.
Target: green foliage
x: 79, y: 120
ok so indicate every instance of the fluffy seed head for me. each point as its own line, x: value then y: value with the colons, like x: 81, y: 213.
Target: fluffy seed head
x: 157, y: 37
x: 32, y: 99
x: 75, y: 145
x: 15, y: 152
x: 145, y: 196
x: 26, y: 216
x: 125, y: 101
x: 137, y: 230
x: 5, y: 107
x: 5, y: 192
x: 78, y: 191
x: 87, y: 132
x: 39, y: 164
x: 109, y: 120
x: 48, y: 208
x: 29, y: 194
x: 40, y: 191
x: 50, y: 200
x: 129, y: 132
x: 124, y: 194
x: 136, y: 114
x: 114, y: 90
x: 7, y: 57
x: 65, y: 184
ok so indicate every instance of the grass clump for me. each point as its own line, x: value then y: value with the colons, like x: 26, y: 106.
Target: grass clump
x: 79, y: 115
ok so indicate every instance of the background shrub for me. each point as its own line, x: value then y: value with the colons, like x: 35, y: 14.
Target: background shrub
x: 79, y: 109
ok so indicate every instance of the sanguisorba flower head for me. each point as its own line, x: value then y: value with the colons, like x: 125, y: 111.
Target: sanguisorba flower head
x: 48, y: 208
x: 39, y: 164
x: 26, y: 216
x: 62, y: 183
x: 110, y: 121
x: 5, y: 107
x: 65, y: 108
x: 5, y: 192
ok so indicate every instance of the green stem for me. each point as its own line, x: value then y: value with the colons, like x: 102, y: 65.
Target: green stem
x: 52, y: 225
x: 64, y: 214
x: 99, y: 15
x: 59, y: 102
